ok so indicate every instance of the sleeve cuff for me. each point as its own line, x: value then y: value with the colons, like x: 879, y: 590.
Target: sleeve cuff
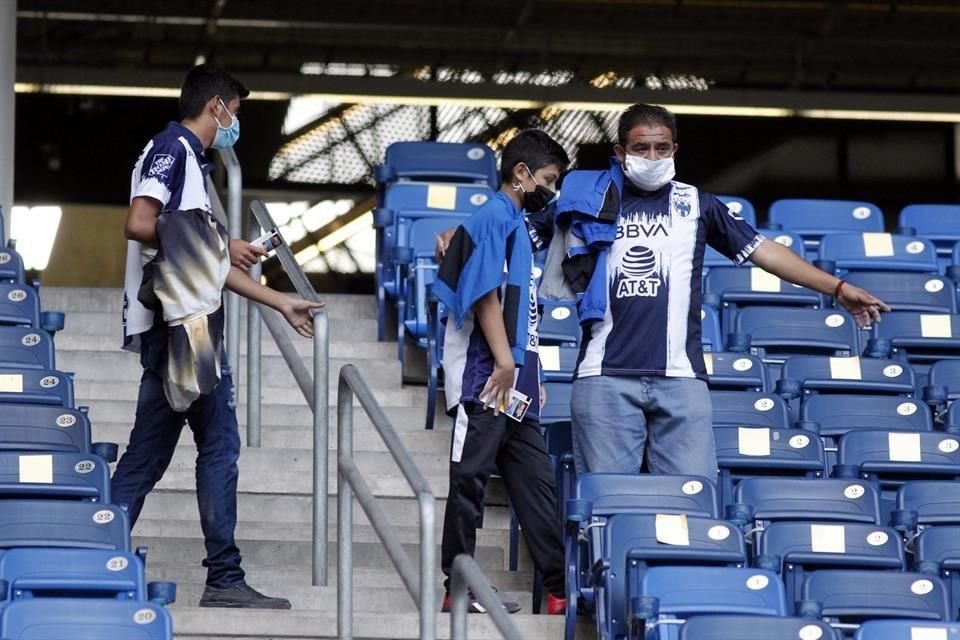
x: 152, y: 188
x: 748, y: 250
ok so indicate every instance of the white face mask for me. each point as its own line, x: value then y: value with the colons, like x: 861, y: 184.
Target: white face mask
x: 648, y: 175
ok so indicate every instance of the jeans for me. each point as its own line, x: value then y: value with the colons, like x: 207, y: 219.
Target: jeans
x: 153, y: 440
x: 618, y: 419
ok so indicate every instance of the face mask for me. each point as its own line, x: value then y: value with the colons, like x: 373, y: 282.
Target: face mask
x: 226, y: 136
x: 538, y: 199
x: 648, y: 175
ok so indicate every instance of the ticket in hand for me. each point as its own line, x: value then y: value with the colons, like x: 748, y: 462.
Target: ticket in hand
x: 269, y: 241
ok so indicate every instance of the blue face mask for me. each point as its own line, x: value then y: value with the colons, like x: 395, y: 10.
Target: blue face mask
x: 226, y: 136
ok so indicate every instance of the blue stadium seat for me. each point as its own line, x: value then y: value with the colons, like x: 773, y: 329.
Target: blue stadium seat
x: 848, y: 252
x: 889, y: 458
x: 740, y: 287
x: 795, y: 550
x: 777, y: 333
x: 36, y: 386
x: 465, y: 162
x: 736, y: 372
x: 939, y: 223
x: 58, y: 475
x: 808, y: 375
x: 713, y: 258
x: 634, y: 543
x: 559, y: 341
x: 937, y: 551
x: 926, y: 503
x: 85, y: 619
x: 750, y: 452
x: 744, y: 408
x: 60, y: 523
x: 851, y: 597
x: 918, y: 338
x: 26, y: 347
x: 907, y: 630
x: 813, y: 219
x: 744, y: 627
x: 740, y: 207
x: 19, y: 305
x: 711, y: 336
x: 672, y: 594
x: 943, y: 381
x: 91, y: 573
x: 909, y: 291
x: 765, y: 500
x: 43, y: 428
x: 11, y: 265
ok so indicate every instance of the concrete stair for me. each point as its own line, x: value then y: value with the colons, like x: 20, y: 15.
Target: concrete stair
x: 274, y: 500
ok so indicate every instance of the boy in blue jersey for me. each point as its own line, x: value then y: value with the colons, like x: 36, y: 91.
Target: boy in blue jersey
x: 640, y: 387
x: 490, y: 347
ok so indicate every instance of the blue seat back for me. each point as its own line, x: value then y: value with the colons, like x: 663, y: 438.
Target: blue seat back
x: 879, y: 252
x: 711, y: 337
x: 612, y: 493
x: 761, y: 451
x: 740, y: 207
x: 839, y: 413
x: 776, y: 499
x: 939, y: 223
x: 713, y: 258
x: 921, y: 337
x: 853, y: 596
x: 744, y: 408
x: 43, y: 428
x: 421, y: 273
x: 906, y: 630
x: 813, y: 219
x: 26, y: 347
x: 909, y: 291
x: 85, y: 619
x: 739, y: 287
x: 736, y: 371
x: 11, y: 264
x: 36, y: 386
x: 62, y: 475
x: 468, y: 162
x: 100, y: 573
x: 687, y: 591
x: 19, y: 305
x: 939, y: 544
x: 900, y: 455
x: 559, y: 324
x: 935, y: 502
x: 746, y: 627
x: 823, y: 374
x: 946, y: 373
x: 780, y: 332
x: 557, y: 408
x: 57, y: 523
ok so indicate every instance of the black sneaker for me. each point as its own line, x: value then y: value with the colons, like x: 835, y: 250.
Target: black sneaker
x: 241, y: 596
x: 476, y: 607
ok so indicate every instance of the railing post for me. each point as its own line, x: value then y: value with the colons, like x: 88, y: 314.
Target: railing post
x: 253, y: 352
x: 428, y: 566
x: 321, y: 439
x: 459, y: 600
x: 235, y: 230
x: 344, y: 513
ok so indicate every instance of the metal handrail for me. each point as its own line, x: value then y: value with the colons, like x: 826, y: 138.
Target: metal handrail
x: 466, y: 577
x: 235, y: 229
x: 351, y: 484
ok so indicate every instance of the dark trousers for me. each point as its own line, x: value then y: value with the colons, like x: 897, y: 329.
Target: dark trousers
x: 518, y: 452
x: 152, y: 442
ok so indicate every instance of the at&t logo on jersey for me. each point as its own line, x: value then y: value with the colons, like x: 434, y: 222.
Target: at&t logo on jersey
x: 637, y: 275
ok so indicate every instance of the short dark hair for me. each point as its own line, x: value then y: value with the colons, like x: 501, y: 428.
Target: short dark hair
x: 649, y: 114
x: 204, y: 82
x: 533, y: 148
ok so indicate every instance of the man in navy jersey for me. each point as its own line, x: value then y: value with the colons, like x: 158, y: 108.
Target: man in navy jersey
x: 490, y: 347
x: 640, y: 386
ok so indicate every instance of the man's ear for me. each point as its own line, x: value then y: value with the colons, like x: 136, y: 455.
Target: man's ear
x: 619, y: 152
x: 676, y: 146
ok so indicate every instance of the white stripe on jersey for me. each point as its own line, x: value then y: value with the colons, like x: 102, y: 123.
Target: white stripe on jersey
x: 455, y: 345
x: 592, y: 364
x: 459, y: 434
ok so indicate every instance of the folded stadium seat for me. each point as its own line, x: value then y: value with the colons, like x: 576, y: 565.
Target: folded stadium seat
x: 805, y: 376
x: 713, y: 258
x: 93, y: 573
x: 463, y: 162
x: 741, y: 208
x: 711, y: 337
x: 746, y: 408
x: 61, y: 523
x: 599, y: 496
x: 559, y: 341
x: 796, y: 550
x: 26, y: 347
x: 58, y: 475
x: 843, y: 253
x: 937, y: 551
x: 943, y: 385
x: 44, y: 428
x: 750, y: 452
x: 36, y: 386
x: 939, y: 223
x: 19, y: 305
x: 853, y: 597
x: 742, y: 627
x: 741, y: 287
x: 890, y: 458
x: 736, y: 372
x: 918, y: 338
x: 555, y: 422
x: 777, y: 333
x: 634, y: 543
x: 909, y: 291
x: 907, y: 630
x: 85, y: 619
x: 671, y: 594
x: 924, y: 503
x: 813, y: 219
x: 11, y: 266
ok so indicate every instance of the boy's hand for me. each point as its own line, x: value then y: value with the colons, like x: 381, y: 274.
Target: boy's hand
x: 443, y: 242
x: 244, y: 255
x: 298, y: 314
x: 497, y: 389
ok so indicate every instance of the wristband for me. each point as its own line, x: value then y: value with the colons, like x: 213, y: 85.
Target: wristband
x: 836, y: 293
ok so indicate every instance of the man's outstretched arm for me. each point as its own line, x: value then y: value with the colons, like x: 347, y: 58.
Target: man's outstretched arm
x: 296, y: 311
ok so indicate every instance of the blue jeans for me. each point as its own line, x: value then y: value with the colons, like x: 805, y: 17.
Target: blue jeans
x: 156, y: 431
x: 616, y: 419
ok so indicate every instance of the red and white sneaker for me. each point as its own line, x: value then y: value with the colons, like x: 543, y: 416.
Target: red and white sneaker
x: 556, y: 606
